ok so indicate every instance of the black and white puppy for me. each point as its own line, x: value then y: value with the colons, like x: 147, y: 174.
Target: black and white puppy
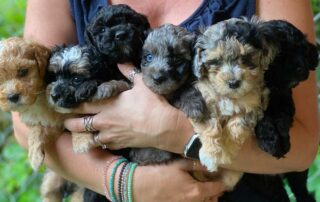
x: 116, y: 34
x: 74, y: 77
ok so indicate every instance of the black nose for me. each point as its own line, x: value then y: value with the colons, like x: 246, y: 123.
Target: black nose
x: 14, y: 97
x: 234, y: 84
x: 120, y: 35
x: 55, y: 96
x: 158, y: 79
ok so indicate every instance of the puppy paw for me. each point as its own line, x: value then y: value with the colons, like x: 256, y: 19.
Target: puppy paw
x: 82, y: 142
x: 86, y: 91
x: 208, y: 160
x: 269, y: 139
x: 36, y: 158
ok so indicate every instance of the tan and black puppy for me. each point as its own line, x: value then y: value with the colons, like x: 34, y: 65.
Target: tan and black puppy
x: 230, y: 63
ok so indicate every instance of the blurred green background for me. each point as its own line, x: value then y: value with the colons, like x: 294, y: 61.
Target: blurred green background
x: 18, y: 182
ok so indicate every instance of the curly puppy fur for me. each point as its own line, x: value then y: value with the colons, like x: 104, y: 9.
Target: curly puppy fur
x: 73, y: 78
x: 230, y: 62
x: 22, y: 88
x: 292, y: 65
x: 167, y: 70
x: 116, y: 34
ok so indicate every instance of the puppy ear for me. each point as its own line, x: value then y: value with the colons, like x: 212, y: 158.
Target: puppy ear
x: 198, y: 67
x: 42, y: 56
x: 313, y: 56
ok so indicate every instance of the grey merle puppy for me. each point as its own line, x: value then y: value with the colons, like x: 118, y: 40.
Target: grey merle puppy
x: 167, y: 70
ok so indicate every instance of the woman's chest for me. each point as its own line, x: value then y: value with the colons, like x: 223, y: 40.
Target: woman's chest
x: 163, y: 11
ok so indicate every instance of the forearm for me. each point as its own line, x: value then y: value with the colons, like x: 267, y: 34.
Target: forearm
x: 85, y: 169
x: 302, y: 152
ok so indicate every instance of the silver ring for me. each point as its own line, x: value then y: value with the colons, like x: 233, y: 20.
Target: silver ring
x: 132, y: 74
x: 87, y: 122
x: 96, y: 139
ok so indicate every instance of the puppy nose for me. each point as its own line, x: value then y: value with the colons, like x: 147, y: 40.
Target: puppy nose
x: 119, y: 35
x: 14, y: 97
x: 158, y: 79
x: 234, y: 84
x: 55, y: 96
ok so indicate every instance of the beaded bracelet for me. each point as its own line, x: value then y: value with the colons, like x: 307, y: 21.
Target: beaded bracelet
x: 120, y: 181
x: 124, y: 182
x: 133, y: 167
x: 111, y: 182
x: 108, y: 164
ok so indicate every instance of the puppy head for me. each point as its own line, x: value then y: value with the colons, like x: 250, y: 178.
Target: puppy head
x: 22, y: 69
x: 167, y: 58
x: 296, y: 55
x: 72, y: 77
x: 230, y: 55
x: 117, y: 32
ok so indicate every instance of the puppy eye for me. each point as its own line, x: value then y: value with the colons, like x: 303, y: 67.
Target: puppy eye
x: 148, y: 57
x: 23, y: 72
x: 102, y: 30
x: 77, y: 80
x: 214, y: 62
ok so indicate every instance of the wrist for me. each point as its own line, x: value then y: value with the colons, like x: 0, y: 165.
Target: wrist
x: 184, y: 133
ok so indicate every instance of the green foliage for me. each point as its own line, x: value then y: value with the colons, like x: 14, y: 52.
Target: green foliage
x: 12, y: 17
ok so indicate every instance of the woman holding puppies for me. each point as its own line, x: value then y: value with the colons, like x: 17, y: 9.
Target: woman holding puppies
x: 139, y: 118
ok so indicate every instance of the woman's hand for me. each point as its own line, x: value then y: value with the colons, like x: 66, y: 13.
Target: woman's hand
x: 136, y: 118
x: 173, y: 184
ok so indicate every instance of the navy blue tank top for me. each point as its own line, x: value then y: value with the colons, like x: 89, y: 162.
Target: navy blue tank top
x: 208, y: 13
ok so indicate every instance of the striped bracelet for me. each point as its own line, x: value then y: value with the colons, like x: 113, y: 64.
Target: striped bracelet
x: 111, y: 182
x: 132, y: 168
x: 120, y: 181
x: 105, y: 173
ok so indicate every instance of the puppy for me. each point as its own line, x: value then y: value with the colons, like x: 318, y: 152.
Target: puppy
x: 74, y: 77
x: 23, y: 65
x: 22, y: 88
x: 116, y: 34
x: 296, y: 58
x: 230, y: 63
x: 167, y: 70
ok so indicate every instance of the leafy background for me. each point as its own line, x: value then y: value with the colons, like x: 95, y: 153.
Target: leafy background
x: 18, y: 182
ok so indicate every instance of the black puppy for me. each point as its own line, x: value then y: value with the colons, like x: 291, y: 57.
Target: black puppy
x: 117, y: 33
x: 292, y: 64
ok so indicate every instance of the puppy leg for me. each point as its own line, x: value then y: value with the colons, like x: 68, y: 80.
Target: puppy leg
x: 230, y: 178
x: 210, y: 135
x: 35, y: 145
x: 51, y: 187
x: 109, y: 89
x: 82, y: 142
x: 191, y: 102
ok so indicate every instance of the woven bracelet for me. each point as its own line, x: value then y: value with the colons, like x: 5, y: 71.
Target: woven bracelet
x: 120, y: 181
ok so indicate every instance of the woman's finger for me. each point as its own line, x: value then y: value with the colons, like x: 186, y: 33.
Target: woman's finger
x: 83, y: 124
